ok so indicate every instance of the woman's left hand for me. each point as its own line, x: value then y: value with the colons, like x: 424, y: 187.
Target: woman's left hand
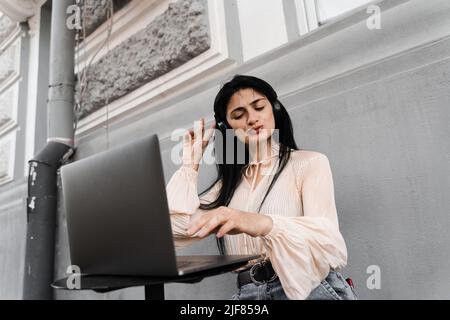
x: 225, y: 220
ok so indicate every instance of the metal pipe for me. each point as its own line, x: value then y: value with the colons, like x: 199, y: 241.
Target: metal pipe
x: 42, y: 187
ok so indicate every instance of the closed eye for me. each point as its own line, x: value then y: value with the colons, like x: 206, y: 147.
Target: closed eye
x: 240, y: 116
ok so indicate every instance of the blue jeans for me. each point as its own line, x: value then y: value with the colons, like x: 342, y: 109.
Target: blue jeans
x: 333, y: 287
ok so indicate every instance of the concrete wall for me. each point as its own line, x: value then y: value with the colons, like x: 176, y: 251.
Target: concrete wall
x: 12, y: 238
x: 29, y: 131
x: 387, y: 144
x: 376, y: 103
x: 96, y: 13
x: 13, y: 99
x: 6, y: 27
x: 170, y: 40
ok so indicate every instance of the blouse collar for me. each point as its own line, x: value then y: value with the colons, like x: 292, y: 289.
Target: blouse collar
x: 275, y: 148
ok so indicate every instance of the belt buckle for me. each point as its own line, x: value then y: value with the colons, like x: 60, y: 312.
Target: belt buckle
x: 252, y: 273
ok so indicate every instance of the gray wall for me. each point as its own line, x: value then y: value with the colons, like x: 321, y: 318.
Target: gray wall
x: 375, y: 102
x: 12, y: 238
x: 13, y: 195
x: 386, y: 141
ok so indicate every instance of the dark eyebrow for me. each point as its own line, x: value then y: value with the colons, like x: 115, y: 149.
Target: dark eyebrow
x: 253, y: 102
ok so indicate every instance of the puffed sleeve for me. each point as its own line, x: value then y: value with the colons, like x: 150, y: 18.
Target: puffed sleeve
x: 184, y: 202
x: 302, y: 249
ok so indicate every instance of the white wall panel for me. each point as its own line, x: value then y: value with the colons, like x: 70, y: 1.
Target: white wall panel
x: 263, y: 26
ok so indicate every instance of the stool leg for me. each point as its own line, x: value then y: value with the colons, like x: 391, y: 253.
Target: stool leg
x: 154, y: 291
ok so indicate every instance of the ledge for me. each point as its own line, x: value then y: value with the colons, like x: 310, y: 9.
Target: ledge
x: 20, y: 10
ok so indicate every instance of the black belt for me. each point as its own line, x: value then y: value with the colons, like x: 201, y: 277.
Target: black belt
x: 260, y: 273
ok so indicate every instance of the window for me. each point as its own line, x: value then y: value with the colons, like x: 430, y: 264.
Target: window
x: 7, y: 152
x: 8, y: 109
x: 262, y: 25
x: 9, y: 86
x: 327, y: 9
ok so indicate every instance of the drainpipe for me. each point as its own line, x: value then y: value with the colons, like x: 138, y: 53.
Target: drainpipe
x: 42, y: 187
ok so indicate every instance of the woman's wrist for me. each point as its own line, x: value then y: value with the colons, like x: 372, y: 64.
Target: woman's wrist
x: 191, y: 166
x: 255, y: 224
x: 267, y: 225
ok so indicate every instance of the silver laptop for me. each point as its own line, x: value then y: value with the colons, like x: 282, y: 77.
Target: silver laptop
x: 118, y: 218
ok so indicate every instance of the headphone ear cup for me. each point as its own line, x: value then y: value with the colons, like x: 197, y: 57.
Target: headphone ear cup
x: 276, y: 105
x: 222, y: 126
x: 277, y: 108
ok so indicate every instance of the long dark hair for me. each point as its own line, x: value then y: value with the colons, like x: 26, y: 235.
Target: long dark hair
x: 231, y: 174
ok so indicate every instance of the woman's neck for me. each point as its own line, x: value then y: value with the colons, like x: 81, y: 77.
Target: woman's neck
x: 260, y: 151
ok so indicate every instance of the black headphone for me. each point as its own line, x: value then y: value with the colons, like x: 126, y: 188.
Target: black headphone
x: 222, y: 125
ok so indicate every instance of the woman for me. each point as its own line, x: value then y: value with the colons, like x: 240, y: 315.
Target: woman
x: 279, y: 203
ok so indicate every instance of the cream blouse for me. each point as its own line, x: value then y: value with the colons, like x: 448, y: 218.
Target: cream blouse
x: 305, y: 240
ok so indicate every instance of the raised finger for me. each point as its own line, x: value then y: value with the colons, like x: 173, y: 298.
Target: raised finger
x: 197, y: 130
x: 187, y: 138
x: 209, y: 132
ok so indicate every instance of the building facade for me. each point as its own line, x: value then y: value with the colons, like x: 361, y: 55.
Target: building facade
x: 366, y: 83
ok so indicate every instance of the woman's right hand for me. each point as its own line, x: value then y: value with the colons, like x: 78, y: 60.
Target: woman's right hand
x: 194, y: 144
